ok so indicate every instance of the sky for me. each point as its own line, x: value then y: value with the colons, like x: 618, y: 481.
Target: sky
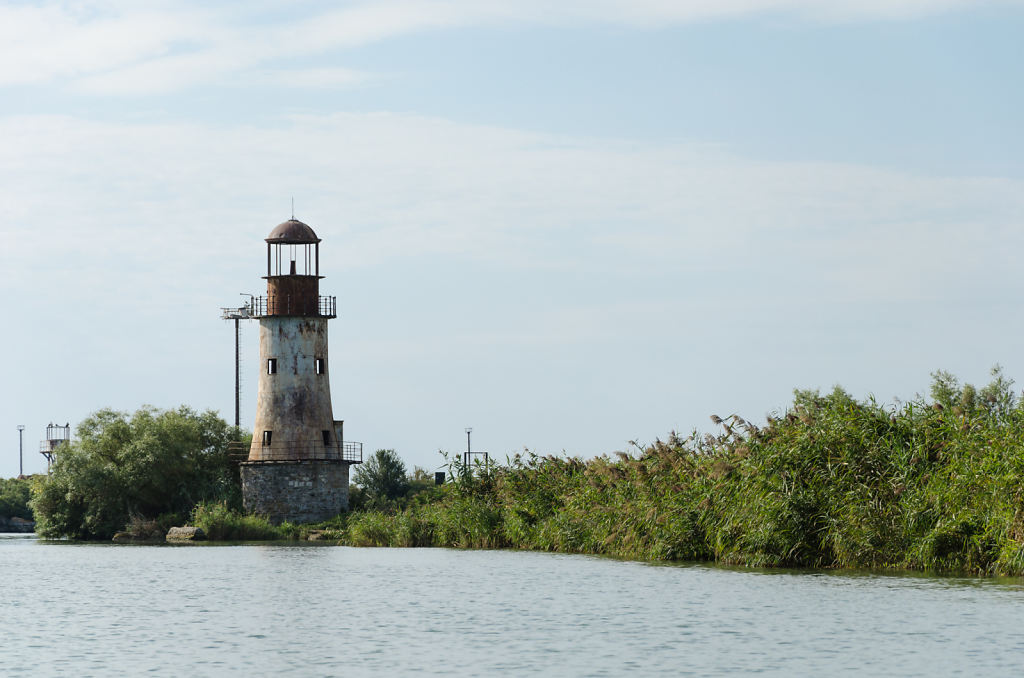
x: 566, y: 225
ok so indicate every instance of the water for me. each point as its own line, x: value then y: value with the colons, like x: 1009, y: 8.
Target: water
x: 261, y: 610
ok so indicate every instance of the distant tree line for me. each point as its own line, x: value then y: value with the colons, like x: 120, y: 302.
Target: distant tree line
x: 14, y: 498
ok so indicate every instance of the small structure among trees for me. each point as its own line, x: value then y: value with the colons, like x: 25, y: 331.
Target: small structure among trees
x: 56, y: 435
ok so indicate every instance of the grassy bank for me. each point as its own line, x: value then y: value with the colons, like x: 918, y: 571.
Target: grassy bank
x: 221, y: 523
x: 932, y: 484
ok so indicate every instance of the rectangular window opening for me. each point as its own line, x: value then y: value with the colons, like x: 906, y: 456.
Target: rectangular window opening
x: 319, y: 362
x: 271, y: 365
x: 266, y: 437
x: 327, y: 438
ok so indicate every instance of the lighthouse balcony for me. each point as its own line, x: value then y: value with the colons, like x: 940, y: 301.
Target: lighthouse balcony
x: 296, y: 305
x: 348, y: 452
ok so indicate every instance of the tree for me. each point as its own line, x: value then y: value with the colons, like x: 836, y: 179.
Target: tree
x: 153, y: 463
x: 382, y: 476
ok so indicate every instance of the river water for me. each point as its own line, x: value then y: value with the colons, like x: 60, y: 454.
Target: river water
x: 298, y: 610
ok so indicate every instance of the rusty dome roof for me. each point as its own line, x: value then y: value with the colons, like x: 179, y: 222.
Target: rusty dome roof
x: 292, y: 232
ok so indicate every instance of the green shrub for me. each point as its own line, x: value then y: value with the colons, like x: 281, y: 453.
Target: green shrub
x: 221, y: 523
x: 152, y: 463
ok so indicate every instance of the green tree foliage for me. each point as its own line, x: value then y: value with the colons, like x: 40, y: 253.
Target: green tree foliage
x: 419, y: 488
x: 382, y: 477
x: 152, y: 463
x: 14, y: 498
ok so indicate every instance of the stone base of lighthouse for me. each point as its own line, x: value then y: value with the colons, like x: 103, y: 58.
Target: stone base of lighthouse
x: 301, y: 491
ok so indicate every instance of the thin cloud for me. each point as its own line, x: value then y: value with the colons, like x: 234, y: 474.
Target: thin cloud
x: 50, y: 42
x: 118, y: 48
x: 310, y: 78
x: 403, y: 186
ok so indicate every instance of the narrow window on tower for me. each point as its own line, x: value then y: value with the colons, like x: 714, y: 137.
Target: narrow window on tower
x: 271, y: 365
x: 327, y: 438
x: 266, y: 438
x: 319, y: 364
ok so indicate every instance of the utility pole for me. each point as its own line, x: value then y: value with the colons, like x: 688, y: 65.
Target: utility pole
x: 469, y: 451
x: 21, y: 455
x: 241, y: 313
x: 238, y: 382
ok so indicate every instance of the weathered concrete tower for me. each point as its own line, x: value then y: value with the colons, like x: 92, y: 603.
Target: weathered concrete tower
x: 298, y: 463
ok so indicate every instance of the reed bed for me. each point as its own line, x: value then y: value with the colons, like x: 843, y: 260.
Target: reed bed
x: 221, y: 523
x: 931, y: 485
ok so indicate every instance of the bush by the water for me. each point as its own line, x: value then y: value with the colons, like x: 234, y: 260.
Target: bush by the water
x: 932, y: 484
x: 154, y: 465
x: 221, y: 523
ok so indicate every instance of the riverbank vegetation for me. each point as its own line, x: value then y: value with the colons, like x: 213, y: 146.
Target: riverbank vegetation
x: 932, y: 484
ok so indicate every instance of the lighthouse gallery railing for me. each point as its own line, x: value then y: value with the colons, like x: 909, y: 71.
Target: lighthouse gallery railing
x: 351, y: 452
x: 287, y: 304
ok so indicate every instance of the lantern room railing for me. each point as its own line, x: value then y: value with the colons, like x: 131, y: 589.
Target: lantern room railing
x: 287, y: 304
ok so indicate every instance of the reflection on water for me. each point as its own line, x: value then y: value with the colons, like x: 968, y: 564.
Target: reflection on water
x: 72, y: 609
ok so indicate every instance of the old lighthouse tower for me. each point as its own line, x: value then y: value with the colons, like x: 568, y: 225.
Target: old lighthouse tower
x: 298, y: 463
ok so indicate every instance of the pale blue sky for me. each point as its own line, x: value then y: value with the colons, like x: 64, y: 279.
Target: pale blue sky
x: 566, y: 229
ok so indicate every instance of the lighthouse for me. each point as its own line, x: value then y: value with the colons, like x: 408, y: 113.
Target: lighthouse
x: 298, y: 464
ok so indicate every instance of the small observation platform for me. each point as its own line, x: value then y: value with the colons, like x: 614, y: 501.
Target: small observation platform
x: 56, y: 436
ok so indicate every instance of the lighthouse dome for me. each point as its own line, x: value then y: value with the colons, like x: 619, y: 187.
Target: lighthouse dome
x: 292, y: 232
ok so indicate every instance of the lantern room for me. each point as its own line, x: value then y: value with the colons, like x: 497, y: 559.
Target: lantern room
x: 293, y: 249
